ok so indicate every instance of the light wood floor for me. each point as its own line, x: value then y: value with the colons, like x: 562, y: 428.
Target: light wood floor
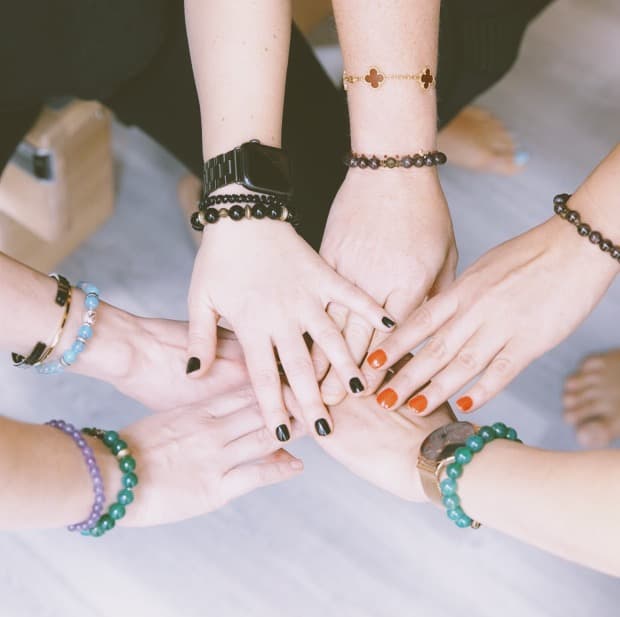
x: 327, y: 544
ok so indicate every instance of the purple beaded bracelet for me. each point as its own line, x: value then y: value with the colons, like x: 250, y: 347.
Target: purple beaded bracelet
x: 93, y: 470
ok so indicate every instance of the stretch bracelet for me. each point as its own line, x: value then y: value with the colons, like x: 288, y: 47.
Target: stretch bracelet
x: 561, y: 208
x: 127, y: 465
x: 376, y: 78
x: 463, y: 455
x: 40, y: 352
x: 422, y: 159
x: 85, y: 332
x: 243, y: 198
x: 200, y: 219
x: 93, y: 470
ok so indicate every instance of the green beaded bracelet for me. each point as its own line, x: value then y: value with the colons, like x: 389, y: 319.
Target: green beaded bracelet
x: 127, y: 465
x: 463, y: 455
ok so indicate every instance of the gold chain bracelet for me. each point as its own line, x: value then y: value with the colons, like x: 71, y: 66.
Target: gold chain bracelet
x: 376, y: 77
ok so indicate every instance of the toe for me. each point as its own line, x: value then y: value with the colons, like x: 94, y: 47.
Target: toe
x: 594, y: 433
x: 592, y: 363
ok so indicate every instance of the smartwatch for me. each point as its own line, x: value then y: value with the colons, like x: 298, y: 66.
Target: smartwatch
x: 259, y: 168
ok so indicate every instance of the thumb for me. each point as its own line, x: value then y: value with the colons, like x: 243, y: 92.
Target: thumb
x: 202, y: 341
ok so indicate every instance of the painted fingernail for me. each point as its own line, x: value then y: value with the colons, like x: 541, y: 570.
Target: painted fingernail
x: 282, y: 433
x: 356, y: 385
x: 465, y: 403
x: 418, y: 402
x: 388, y: 323
x: 377, y: 358
x: 387, y: 398
x: 322, y: 427
x: 193, y: 364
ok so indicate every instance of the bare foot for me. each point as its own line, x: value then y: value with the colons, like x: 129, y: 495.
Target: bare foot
x: 475, y: 139
x: 592, y: 399
x: 188, y: 193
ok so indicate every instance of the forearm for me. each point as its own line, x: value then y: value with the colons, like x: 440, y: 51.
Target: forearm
x: 239, y: 54
x: 44, y: 480
x: 562, y: 502
x: 398, y: 37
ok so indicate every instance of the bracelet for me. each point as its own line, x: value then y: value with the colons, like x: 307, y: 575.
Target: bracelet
x: 463, y: 455
x: 200, y: 219
x: 93, y: 470
x: 243, y: 198
x: 422, y: 159
x: 40, y: 352
x: 375, y: 78
x: 583, y: 229
x: 85, y: 332
x: 127, y: 465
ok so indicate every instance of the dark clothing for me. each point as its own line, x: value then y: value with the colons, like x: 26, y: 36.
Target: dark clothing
x: 133, y: 56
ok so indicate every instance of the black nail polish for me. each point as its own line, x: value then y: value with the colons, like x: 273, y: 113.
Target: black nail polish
x: 322, y: 427
x: 282, y: 433
x: 356, y: 385
x: 193, y: 364
x: 388, y: 323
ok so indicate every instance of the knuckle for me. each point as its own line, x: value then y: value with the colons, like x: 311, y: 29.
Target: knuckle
x: 466, y: 359
x: 502, y: 366
x: 436, y: 348
x: 328, y: 337
x: 299, y: 367
x: 423, y: 318
x: 266, y: 379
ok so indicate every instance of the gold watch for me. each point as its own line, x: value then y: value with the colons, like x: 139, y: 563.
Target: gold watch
x: 437, y: 452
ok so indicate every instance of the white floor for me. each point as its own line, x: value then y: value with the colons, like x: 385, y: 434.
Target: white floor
x: 328, y: 544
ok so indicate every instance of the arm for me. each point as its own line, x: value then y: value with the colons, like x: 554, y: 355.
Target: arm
x: 400, y: 212
x: 482, y: 324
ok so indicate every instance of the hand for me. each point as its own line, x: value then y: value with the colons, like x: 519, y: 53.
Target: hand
x: 273, y: 288
x: 389, y: 232
x: 517, y: 302
x: 195, y: 459
x: 382, y: 448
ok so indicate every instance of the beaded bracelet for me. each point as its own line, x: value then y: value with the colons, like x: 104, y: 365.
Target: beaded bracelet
x: 127, y: 465
x: 463, y: 455
x: 93, y: 470
x: 40, y: 352
x: 422, y: 159
x: 583, y: 229
x: 85, y: 332
x: 243, y: 198
x: 200, y: 219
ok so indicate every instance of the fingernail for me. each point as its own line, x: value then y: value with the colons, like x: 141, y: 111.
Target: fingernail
x: 297, y: 465
x: 418, y: 402
x: 387, y: 398
x: 193, y: 364
x: 322, y: 427
x: 377, y: 358
x: 465, y: 403
x: 521, y: 157
x: 282, y: 433
x: 388, y: 323
x: 356, y: 385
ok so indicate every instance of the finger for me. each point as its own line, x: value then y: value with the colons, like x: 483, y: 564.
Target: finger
x: 246, y: 478
x: 265, y: 379
x: 300, y: 375
x: 436, y: 354
x: 338, y: 314
x: 230, y: 402
x: 202, y: 340
x: 359, y: 302
x: 228, y: 346
x: 506, y: 365
x: 471, y: 359
x: 256, y: 445
x: 445, y: 278
x: 423, y: 322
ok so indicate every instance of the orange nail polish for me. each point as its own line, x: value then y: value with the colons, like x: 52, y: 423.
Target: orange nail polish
x: 377, y: 358
x: 418, y: 402
x: 465, y: 403
x: 387, y: 398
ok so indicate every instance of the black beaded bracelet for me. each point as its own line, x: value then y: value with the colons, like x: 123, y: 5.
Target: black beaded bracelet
x: 583, y: 229
x: 422, y: 159
x: 276, y: 212
x: 256, y: 198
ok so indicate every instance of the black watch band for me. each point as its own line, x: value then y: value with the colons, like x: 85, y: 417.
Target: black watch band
x: 221, y: 170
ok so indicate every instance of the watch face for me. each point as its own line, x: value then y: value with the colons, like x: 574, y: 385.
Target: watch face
x: 442, y: 442
x: 265, y: 169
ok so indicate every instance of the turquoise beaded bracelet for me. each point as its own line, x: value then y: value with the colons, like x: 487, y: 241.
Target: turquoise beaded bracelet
x: 127, y: 465
x: 463, y: 455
